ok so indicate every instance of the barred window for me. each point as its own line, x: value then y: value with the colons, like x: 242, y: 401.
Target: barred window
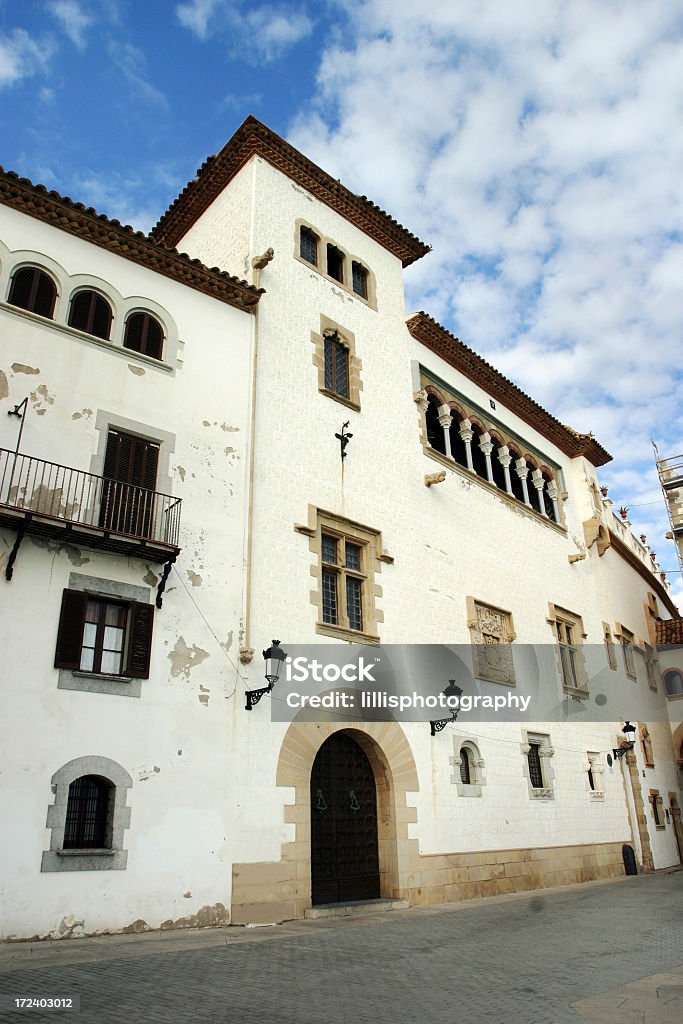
x: 88, y: 815
x: 465, y: 766
x: 535, y: 772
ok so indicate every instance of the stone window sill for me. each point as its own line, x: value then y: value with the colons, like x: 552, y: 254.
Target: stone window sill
x: 96, y: 852
x: 348, y: 402
x: 596, y: 795
x: 109, y: 677
x: 343, y: 633
x: 542, y: 794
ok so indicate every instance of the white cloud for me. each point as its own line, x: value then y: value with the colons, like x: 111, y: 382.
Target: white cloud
x: 254, y: 34
x: 73, y: 19
x: 132, y: 63
x: 196, y: 14
x: 22, y: 56
x: 537, y: 147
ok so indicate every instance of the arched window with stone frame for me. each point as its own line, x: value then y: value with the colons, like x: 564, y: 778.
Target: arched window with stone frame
x: 435, y: 431
x: 496, y: 465
x: 468, y: 767
x: 478, y: 456
x: 458, y: 445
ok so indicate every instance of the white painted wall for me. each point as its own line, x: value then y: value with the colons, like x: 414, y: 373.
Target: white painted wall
x: 449, y: 541
x: 176, y: 739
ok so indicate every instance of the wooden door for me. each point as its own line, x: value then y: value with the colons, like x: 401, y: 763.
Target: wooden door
x: 344, y: 856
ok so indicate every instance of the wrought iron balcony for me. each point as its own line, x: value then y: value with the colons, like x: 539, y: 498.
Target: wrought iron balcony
x: 46, y: 499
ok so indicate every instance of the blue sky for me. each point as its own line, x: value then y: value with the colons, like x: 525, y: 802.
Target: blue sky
x: 536, y: 146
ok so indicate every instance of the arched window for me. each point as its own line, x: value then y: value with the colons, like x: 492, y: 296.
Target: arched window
x: 88, y: 814
x: 517, y: 489
x: 498, y: 471
x: 478, y: 457
x: 465, y: 766
x: 90, y: 313
x: 547, y: 500
x: 673, y: 681
x: 458, y: 446
x: 33, y: 290
x: 435, y: 435
x: 144, y: 334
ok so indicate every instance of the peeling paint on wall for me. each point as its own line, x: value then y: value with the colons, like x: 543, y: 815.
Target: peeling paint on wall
x: 181, y: 473
x: 203, y: 699
x: 150, y: 579
x: 87, y: 413
x: 22, y: 368
x: 135, y: 927
x: 4, y: 386
x: 183, y: 658
x: 194, y: 578
x: 207, y: 917
x: 229, y: 429
x: 68, y: 925
x: 227, y: 644
x: 40, y: 399
x: 72, y: 553
x: 137, y: 370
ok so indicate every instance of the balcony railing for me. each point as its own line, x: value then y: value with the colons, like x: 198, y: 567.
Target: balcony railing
x: 50, y: 495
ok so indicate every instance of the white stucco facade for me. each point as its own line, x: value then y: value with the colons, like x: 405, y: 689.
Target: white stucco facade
x: 220, y: 819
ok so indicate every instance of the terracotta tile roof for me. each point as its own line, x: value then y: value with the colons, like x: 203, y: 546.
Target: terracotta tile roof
x: 84, y: 222
x: 435, y: 337
x: 670, y: 632
x: 253, y: 137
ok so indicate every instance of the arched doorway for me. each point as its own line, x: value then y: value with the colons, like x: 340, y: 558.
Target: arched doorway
x: 344, y: 852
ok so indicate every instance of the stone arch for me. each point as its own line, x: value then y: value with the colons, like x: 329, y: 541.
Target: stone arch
x: 387, y: 748
x: 281, y: 890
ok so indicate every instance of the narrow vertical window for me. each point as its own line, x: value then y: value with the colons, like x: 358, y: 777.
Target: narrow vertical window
x: 308, y: 245
x: 359, y: 279
x: 329, y: 580
x: 336, y: 365
x: 465, y: 766
x: 335, y: 263
x: 534, y: 759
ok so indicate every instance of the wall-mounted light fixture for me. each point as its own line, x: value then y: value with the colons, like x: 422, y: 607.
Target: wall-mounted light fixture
x: 450, y: 691
x: 274, y: 658
x: 629, y: 732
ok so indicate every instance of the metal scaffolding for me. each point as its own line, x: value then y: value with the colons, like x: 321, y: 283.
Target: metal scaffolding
x: 671, y: 479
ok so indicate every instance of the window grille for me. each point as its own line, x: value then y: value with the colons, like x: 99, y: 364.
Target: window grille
x: 359, y: 279
x: 336, y: 366
x: 144, y: 334
x: 34, y: 291
x: 534, y: 759
x: 308, y: 246
x: 90, y: 313
x: 87, y: 814
x: 465, y: 772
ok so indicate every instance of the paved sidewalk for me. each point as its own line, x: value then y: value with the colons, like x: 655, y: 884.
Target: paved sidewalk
x: 599, y: 953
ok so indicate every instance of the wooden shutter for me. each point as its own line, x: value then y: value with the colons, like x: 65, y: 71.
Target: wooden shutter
x: 70, y: 633
x: 140, y: 640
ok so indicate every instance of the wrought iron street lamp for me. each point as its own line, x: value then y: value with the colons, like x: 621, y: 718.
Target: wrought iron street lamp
x: 274, y: 658
x: 440, y: 723
x: 629, y: 732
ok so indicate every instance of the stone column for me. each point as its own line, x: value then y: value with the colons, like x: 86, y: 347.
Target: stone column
x: 539, y: 483
x: 445, y: 424
x: 505, y: 459
x: 466, y: 433
x: 422, y: 401
x: 554, y: 493
x: 522, y: 471
x: 486, y: 445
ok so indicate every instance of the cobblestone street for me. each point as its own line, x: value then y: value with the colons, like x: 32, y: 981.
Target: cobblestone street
x: 583, y: 953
